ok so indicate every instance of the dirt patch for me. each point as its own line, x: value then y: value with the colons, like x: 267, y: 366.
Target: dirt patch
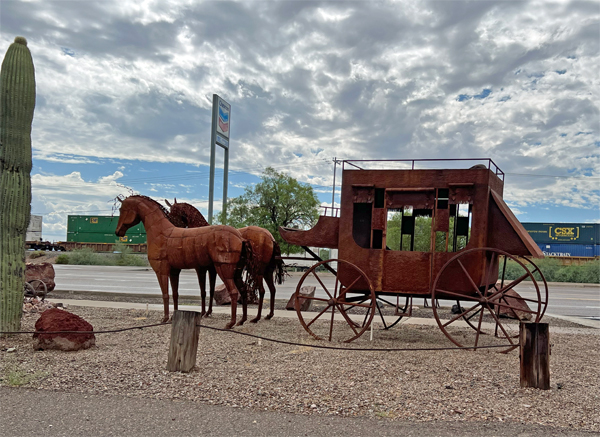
x: 48, y: 257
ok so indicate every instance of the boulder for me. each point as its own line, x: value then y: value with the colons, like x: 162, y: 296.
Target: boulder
x: 512, y: 298
x: 222, y: 295
x: 306, y: 291
x: 55, y: 319
x: 40, y: 272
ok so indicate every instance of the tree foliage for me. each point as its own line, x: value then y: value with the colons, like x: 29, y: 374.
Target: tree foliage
x: 422, y: 232
x: 278, y: 200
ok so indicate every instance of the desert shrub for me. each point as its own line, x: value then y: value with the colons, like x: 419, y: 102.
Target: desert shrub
x: 554, y: 271
x: 587, y: 273
x: 123, y: 256
x: 62, y: 259
x: 37, y: 254
x: 86, y: 256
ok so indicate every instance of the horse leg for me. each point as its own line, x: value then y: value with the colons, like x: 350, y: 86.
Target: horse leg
x: 163, y: 282
x: 174, y: 276
x: 226, y: 273
x: 271, y: 285
x: 261, y: 297
x: 212, y: 278
x: 201, y: 273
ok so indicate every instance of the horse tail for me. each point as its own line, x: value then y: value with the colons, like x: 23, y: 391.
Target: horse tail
x: 251, y: 267
x: 277, y: 264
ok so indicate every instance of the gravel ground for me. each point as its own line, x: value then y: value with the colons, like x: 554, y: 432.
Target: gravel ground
x: 240, y: 371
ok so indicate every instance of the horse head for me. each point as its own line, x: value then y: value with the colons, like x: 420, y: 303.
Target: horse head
x: 128, y: 217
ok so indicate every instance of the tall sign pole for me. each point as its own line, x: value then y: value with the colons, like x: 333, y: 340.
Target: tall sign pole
x: 221, y: 126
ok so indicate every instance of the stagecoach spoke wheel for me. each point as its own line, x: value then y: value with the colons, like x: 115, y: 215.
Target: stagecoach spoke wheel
x: 343, y: 305
x: 381, y: 304
x: 36, y: 287
x: 483, y: 283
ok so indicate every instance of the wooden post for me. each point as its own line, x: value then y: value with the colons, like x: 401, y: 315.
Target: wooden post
x: 185, y: 330
x: 535, y: 355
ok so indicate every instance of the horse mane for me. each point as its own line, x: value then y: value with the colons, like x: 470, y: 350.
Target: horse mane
x: 184, y: 215
x: 162, y: 208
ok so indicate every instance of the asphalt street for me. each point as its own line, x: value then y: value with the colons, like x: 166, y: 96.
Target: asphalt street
x: 571, y: 300
x: 45, y: 413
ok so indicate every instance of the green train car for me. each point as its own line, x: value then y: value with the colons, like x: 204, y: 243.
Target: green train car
x: 101, y: 229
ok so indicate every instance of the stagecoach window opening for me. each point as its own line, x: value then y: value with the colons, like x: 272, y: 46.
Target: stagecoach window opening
x: 409, y: 229
x: 361, y: 225
x: 459, y: 227
x: 379, y: 197
x: 460, y: 224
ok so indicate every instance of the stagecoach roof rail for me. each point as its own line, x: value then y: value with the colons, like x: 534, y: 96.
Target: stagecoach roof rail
x: 335, y: 210
x: 491, y: 165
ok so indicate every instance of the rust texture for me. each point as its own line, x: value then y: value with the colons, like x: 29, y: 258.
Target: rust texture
x: 171, y: 249
x: 268, y: 263
x: 324, y: 234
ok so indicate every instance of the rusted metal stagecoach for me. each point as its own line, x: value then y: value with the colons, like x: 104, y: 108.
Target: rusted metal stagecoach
x: 405, y: 233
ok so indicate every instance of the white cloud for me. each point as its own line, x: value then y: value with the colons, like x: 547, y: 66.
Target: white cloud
x: 514, y: 81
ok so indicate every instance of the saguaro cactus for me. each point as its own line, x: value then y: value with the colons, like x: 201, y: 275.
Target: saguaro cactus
x: 17, y: 94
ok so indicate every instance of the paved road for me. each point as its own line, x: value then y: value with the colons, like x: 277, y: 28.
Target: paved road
x: 564, y: 299
x: 46, y: 413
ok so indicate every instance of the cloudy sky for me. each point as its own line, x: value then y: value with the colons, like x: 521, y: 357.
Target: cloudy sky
x: 124, y: 91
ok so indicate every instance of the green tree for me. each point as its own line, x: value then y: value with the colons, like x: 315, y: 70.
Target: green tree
x: 278, y: 200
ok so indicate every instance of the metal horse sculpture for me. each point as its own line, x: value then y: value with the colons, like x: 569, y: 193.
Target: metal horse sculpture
x: 184, y: 215
x: 171, y: 249
x: 269, y: 264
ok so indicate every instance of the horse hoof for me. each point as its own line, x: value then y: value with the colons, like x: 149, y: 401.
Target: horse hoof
x: 269, y: 317
x: 240, y: 323
x: 208, y: 313
x: 254, y: 320
x: 165, y: 320
x: 229, y: 326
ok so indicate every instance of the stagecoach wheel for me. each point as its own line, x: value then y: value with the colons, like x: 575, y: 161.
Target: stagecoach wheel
x: 30, y: 288
x: 466, y: 317
x: 340, y: 314
x: 481, y: 304
x: 539, y: 278
x: 381, y: 303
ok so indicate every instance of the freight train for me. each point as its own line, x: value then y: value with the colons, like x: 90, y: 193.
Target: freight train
x: 566, y: 240
x: 94, y: 232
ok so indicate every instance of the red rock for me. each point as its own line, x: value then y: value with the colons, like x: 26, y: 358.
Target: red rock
x: 44, y: 272
x: 222, y: 295
x: 308, y: 291
x: 53, y: 320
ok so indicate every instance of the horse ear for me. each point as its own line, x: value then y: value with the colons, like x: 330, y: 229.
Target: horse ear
x: 175, y: 199
x: 167, y: 202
